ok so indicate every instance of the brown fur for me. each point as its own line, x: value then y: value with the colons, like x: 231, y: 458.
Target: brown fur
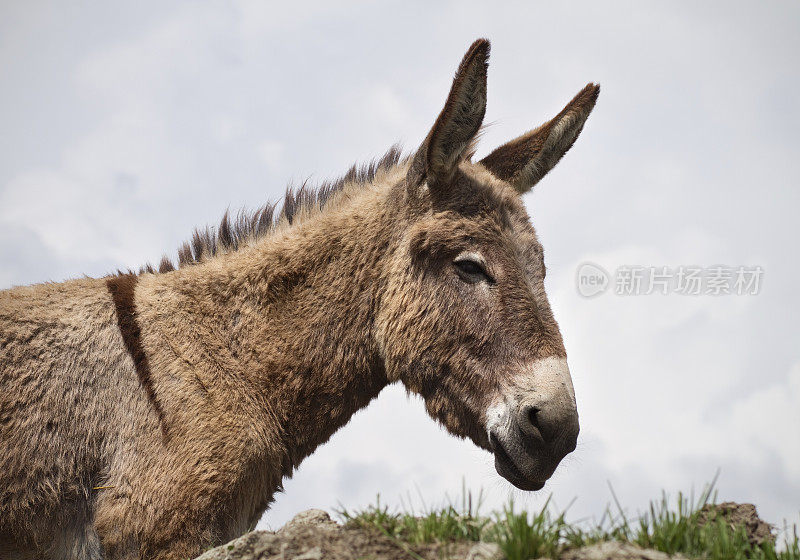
x: 256, y: 354
x: 525, y: 160
x: 122, y: 292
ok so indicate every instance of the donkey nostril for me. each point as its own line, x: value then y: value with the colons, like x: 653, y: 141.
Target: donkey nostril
x: 530, y: 423
x: 550, y: 425
x: 532, y: 416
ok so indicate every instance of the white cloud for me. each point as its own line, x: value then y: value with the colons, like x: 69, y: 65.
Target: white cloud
x: 271, y: 152
x: 765, y: 426
x: 387, y: 106
x: 101, y: 197
x: 652, y: 375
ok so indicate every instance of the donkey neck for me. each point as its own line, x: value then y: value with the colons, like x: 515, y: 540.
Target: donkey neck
x: 283, y: 327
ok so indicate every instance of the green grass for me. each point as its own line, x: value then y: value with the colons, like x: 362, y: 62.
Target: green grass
x: 671, y: 526
x: 445, y: 524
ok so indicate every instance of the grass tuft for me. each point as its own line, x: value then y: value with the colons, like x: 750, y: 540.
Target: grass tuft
x: 435, y: 525
x: 677, y: 526
x: 522, y: 536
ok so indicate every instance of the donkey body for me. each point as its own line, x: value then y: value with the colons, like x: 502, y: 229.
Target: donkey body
x: 154, y: 415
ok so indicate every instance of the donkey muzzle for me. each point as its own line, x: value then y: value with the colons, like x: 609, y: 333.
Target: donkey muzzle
x: 536, y: 427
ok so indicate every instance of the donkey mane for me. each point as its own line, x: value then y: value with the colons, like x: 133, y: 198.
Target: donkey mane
x: 251, y: 225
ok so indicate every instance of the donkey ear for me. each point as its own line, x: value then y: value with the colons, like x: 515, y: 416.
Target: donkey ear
x: 525, y: 160
x: 449, y: 140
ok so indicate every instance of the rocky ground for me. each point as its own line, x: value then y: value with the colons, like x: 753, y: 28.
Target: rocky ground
x: 313, y: 535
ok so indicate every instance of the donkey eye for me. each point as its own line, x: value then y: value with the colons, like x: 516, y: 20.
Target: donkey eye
x: 472, y: 271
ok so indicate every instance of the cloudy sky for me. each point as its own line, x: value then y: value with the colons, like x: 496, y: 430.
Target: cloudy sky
x: 124, y: 125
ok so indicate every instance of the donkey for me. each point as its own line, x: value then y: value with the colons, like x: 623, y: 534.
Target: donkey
x: 155, y: 414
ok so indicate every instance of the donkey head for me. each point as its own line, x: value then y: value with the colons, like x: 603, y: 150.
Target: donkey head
x: 465, y: 321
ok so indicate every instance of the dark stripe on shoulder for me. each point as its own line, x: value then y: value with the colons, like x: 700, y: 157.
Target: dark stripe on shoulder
x: 122, y: 288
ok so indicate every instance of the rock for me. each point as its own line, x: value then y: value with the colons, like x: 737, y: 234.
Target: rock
x: 485, y: 551
x: 310, y: 517
x: 739, y: 515
x: 251, y: 546
x: 300, y: 539
x: 308, y: 523
x: 312, y: 554
x: 617, y: 551
x: 313, y: 535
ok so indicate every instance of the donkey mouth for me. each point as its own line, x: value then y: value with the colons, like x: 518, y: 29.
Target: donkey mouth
x: 508, y: 469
